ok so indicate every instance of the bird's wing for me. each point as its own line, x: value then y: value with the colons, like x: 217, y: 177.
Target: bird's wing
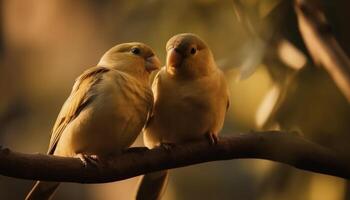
x: 225, y: 87
x: 228, y: 99
x: 228, y: 104
x: 82, y: 94
x: 154, y: 90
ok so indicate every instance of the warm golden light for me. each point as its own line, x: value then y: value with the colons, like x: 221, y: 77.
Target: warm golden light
x: 326, y: 187
x: 246, y: 95
x: 290, y: 55
x: 267, y: 105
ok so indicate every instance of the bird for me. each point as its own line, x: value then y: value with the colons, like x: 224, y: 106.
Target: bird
x: 191, y: 98
x: 106, y: 110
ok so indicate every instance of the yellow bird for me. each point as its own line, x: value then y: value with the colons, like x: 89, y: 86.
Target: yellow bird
x: 190, y: 102
x: 106, y: 110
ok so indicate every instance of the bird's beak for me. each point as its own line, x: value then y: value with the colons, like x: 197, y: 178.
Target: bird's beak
x: 152, y: 63
x: 174, y: 58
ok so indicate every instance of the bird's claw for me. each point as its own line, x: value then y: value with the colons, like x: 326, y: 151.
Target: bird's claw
x: 4, y: 150
x: 212, y: 138
x: 167, y: 145
x: 88, y: 159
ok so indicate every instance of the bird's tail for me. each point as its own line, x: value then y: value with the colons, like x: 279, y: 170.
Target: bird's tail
x: 152, y: 186
x: 42, y: 190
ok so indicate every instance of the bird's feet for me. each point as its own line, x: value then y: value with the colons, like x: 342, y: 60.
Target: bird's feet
x: 88, y: 159
x: 212, y: 138
x: 167, y: 146
x: 4, y: 150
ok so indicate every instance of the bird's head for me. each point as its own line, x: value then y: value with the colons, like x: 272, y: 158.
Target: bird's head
x: 136, y: 59
x: 188, y: 56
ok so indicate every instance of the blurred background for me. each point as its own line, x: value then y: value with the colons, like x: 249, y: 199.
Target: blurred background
x: 45, y: 45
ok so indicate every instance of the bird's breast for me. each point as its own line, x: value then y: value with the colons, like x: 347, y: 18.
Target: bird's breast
x: 181, y: 114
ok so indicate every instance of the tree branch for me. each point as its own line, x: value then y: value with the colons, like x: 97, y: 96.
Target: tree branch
x: 322, y: 45
x: 276, y: 146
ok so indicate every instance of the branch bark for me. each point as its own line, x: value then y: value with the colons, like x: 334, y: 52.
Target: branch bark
x: 276, y: 146
x: 322, y: 45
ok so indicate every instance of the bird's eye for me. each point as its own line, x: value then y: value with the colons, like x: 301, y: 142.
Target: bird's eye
x: 135, y: 51
x: 193, y: 50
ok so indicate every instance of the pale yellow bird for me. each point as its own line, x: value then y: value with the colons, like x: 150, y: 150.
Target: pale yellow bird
x: 190, y: 102
x: 106, y: 110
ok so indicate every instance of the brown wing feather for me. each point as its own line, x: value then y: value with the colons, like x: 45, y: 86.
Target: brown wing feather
x: 79, y: 98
